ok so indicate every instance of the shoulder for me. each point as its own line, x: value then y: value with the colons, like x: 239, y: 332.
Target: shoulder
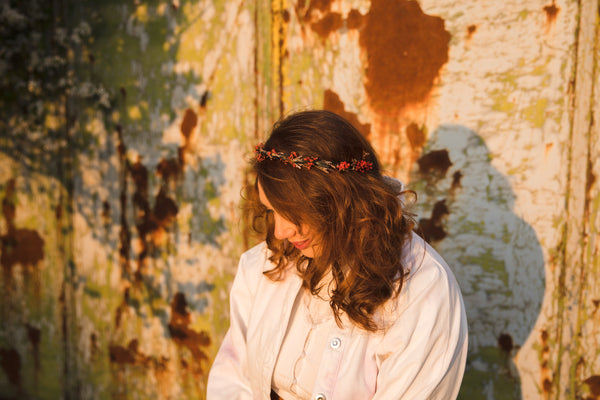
x: 424, y: 265
x: 256, y: 260
x: 429, y: 282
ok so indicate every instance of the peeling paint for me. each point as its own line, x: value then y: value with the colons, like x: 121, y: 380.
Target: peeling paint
x: 120, y: 193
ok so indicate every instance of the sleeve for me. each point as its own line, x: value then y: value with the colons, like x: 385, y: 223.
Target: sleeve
x: 423, y: 354
x: 228, y: 378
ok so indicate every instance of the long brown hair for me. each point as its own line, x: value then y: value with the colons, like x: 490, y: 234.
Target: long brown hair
x: 357, y: 216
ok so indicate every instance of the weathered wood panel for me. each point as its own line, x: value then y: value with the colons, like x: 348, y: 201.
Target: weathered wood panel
x: 124, y: 134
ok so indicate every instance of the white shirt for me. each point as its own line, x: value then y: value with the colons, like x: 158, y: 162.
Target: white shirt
x: 296, y: 366
x: 421, y: 354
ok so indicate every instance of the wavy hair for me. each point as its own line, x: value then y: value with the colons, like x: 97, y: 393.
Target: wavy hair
x: 360, y: 223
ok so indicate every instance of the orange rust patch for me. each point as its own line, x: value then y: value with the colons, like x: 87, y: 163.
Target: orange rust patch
x: 190, y: 120
x: 333, y: 103
x: 355, y: 20
x: 405, y: 50
x: 128, y: 355
x: 416, y: 137
x: 330, y: 23
x: 546, y: 373
x: 22, y: 246
x: 19, y: 246
x: 471, y: 29
x: 593, y: 383
x: 321, y: 5
x: 551, y: 12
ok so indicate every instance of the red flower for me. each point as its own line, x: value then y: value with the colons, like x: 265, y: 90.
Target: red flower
x: 363, y: 166
x: 344, y: 165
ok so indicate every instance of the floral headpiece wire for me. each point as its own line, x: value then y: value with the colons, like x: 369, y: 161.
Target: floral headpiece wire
x: 301, y: 161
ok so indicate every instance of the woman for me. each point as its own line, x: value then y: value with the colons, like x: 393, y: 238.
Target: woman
x: 342, y: 300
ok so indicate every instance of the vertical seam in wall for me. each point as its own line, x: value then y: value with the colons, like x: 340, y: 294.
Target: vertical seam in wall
x: 570, y: 291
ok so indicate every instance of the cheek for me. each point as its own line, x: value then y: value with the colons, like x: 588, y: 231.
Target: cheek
x: 306, y: 231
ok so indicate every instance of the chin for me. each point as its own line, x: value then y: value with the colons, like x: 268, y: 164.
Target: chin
x: 309, y: 252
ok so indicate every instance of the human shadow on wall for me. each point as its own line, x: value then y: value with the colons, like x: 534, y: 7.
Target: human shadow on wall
x: 466, y: 212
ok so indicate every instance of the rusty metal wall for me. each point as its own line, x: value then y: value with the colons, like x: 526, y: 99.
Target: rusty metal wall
x: 125, y: 131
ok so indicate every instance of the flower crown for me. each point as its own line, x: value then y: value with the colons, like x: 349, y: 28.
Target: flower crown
x: 299, y: 161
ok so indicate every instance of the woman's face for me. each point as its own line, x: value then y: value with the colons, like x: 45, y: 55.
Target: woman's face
x: 300, y: 236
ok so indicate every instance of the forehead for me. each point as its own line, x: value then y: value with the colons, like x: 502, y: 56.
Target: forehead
x: 262, y: 197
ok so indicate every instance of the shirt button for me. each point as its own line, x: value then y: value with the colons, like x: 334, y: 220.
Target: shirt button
x: 320, y: 396
x: 335, y: 343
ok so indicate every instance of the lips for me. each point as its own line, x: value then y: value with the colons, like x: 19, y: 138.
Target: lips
x: 301, y: 245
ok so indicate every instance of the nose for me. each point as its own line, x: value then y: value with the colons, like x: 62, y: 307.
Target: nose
x: 284, y: 229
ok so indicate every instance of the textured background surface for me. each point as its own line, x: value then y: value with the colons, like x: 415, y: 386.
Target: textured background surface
x: 126, y: 126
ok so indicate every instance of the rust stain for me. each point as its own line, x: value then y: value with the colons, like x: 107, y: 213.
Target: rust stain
x: 189, y: 122
x: 142, y: 214
x: 94, y: 347
x: 152, y: 223
x: 416, y: 137
x: 323, y: 21
x: 593, y: 383
x: 471, y: 29
x: 164, y: 212
x: 435, y: 163
x: 204, y: 99
x: 11, y: 364
x: 186, y: 337
x: 589, y: 183
x: 105, y: 211
x: 596, y: 303
x: 355, y: 20
x: 551, y: 13
x: 325, y: 26
x: 332, y: 102
x: 321, y: 5
x: 505, y: 343
x: 128, y: 355
x: 549, y: 147
x: 546, y: 372
x: 456, y: 181
x: 405, y: 50
x: 19, y: 246
x: 432, y: 227
x: 124, y: 233
x: 34, y: 335
x: 122, y: 308
x: 169, y: 168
